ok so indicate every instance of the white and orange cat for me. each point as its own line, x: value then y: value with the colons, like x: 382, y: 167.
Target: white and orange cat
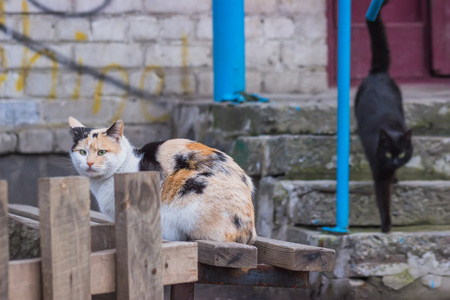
x: 204, y: 193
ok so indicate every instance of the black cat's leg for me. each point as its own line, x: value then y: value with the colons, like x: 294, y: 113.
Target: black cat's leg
x: 383, y: 196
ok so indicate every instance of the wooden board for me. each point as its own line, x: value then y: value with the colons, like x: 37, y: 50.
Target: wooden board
x: 138, y: 236
x: 4, y: 240
x: 103, y: 237
x: 179, y: 260
x: 295, y: 257
x: 65, y: 237
x: 227, y: 254
x: 100, y: 218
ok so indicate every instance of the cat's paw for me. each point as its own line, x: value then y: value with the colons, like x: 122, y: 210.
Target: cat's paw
x: 386, y: 228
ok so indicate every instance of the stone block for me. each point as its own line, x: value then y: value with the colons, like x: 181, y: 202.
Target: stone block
x: 313, y: 203
x: 253, y: 82
x: 14, y: 6
x: 8, y: 143
x: 205, y: 84
x: 40, y: 84
x: 311, y: 26
x: 11, y: 21
x: 204, y: 28
x: 186, y: 6
x: 104, y: 54
x: 293, y: 7
x: 62, y: 140
x: 152, y: 82
x: 278, y: 28
x: 110, y: 29
x: 35, y: 141
x: 106, y: 88
x: 313, y: 81
x: 262, y: 54
x: 172, y: 56
x: 113, y: 7
x: 296, y: 54
x: 176, y: 27
x: 8, y: 88
x: 258, y: 7
x: 138, y: 112
x: 180, y: 83
x: 143, y: 28
x: 75, y: 86
x: 42, y: 28
x: 314, y: 157
x: 253, y: 27
x: 281, y: 82
x: 73, y: 29
x: 18, y: 112
x: 141, y: 135
x: 18, y: 57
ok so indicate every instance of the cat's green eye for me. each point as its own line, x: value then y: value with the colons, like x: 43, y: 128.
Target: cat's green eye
x: 101, y: 152
x: 401, y: 155
x: 388, y: 154
x: 82, y: 152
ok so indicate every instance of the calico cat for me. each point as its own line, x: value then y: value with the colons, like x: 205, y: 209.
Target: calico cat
x: 381, y: 122
x: 204, y: 193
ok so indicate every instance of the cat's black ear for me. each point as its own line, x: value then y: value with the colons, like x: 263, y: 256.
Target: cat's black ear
x: 116, y: 130
x: 407, y: 136
x: 384, y: 138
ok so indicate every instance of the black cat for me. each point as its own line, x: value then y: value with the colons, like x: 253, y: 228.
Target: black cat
x: 381, y: 122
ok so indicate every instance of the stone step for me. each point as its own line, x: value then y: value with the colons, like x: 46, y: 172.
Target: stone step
x: 313, y: 203
x: 385, y: 266
x: 427, y: 113
x: 311, y: 157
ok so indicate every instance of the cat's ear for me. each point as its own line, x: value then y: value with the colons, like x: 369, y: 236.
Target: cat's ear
x: 384, y: 138
x: 74, y: 123
x: 116, y: 130
x: 407, y: 136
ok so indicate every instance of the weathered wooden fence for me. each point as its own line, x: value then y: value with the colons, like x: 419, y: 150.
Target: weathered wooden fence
x: 82, y: 253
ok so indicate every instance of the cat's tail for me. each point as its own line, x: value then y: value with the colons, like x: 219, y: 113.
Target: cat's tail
x: 379, y: 46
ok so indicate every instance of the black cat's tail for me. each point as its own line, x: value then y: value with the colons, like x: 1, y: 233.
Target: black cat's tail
x: 379, y: 46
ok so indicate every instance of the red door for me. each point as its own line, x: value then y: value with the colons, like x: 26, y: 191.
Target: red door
x: 440, y: 37
x: 406, y: 24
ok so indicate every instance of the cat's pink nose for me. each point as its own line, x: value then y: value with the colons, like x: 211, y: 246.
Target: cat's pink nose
x: 90, y: 164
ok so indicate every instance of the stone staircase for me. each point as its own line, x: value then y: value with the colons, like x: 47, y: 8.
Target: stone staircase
x: 289, y: 147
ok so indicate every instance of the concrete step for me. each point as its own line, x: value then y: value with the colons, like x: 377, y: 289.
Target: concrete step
x: 427, y: 112
x: 313, y: 203
x: 372, y: 265
x: 311, y: 157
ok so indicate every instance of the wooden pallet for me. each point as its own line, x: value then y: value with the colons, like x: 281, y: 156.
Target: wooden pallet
x: 120, y: 252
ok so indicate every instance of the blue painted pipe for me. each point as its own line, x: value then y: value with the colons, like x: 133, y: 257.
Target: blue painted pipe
x: 228, y: 49
x: 343, y: 130
x: 373, y: 10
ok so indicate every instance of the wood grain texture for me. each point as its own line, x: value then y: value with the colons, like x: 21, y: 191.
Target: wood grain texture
x: 295, y: 257
x: 100, y: 218
x: 65, y: 237
x: 138, y: 236
x: 227, y: 254
x: 179, y: 261
x: 103, y: 237
x: 4, y: 240
x: 22, y: 210
x: 25, y: 279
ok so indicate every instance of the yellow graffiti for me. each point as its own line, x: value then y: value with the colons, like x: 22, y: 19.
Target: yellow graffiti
x: 76, y: 91
x: 4, y: 65
x: 2, y: 12
x: 99, y: 89
x: 80, y: 36
x: 185, y: 84
x: 160, y: 74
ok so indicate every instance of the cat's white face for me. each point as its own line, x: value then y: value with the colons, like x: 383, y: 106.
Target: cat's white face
x: 97, y: 152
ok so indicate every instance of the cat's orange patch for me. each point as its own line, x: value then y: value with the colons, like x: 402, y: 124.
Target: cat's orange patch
x: 203, y: 149
x: 174, y: 183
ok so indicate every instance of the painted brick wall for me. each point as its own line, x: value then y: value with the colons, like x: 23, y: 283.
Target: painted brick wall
x: 97, y: 57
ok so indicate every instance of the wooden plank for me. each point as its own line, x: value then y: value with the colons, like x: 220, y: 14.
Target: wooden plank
x: 262, y: 275
x: 25, y: 279
x: 138, y: 236
x: 295, y: 257
x: 179, y: 260
x: 184, y: 291
x: 27, y: 211
x: 65, y: 237
x: 100, y: 218
x: 227, y: 254
x: 4, y: 240
x: 103, y: 237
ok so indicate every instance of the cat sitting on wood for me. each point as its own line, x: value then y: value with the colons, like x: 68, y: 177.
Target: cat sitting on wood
x: 381, y: 122
x: 205, y: 195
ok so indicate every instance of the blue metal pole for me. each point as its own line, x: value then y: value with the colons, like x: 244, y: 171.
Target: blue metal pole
x: 228, y: 49
x: 373, y: 10
x: 343, y: 130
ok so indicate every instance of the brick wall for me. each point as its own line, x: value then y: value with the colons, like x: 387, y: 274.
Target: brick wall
x: 98, y: 56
